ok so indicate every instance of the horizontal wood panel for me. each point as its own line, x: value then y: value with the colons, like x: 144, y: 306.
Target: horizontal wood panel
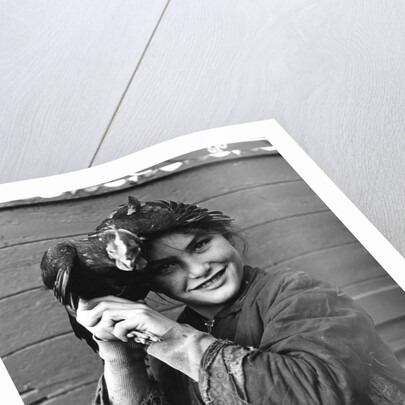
x: 283, y: 240
x: 384, y: 300
x: 393, y: 333
x: 53, y: 366
x: 77, y: 396
x: 265, y: 203
x: 20, y: 270
x: 342, y: 266
x: 81, y: 216
x: 35, y: 316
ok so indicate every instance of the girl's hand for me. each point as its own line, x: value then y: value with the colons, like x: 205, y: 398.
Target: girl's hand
x: 112, y: 318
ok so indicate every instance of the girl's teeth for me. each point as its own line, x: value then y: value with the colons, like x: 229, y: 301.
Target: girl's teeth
x: 209, y: 282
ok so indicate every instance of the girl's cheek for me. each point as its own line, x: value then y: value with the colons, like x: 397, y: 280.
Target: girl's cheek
x: 170, y: 285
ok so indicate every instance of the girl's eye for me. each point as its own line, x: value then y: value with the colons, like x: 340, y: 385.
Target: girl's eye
x: 200, y: 245
x: 166, y: 268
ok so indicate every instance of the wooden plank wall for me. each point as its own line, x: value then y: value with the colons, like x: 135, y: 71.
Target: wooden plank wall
x: 285, y: 223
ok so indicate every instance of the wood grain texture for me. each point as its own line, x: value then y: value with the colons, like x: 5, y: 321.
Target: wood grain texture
x: 55, y: 366
x: 330, y: 72
x: 347, y: 265
x: 287, y: 238
x: 38, y: 317
x: 81, y: 216
x: 63, y: 69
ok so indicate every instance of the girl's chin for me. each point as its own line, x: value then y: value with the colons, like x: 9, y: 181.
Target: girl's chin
x: 217, y: 296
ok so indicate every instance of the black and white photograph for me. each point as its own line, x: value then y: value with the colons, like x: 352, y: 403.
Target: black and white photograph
x: 218, y: 276
x: 202, y: 202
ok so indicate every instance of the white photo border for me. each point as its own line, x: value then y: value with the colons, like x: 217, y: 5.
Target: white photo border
x: 355, y: 221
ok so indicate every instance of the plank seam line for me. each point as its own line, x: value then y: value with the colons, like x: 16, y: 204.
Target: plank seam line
x: 358, y: 284
x: 197, y: 202
x: 43, y: 240
x: 377, y: 291
x: 286, y: 217
x: 16, y: 294
x: 267, y: 267
x: 73, y: 387
x: 258, y: 186
x: 399, y: 351
x: 38, y: 342
x: 49, y: 397
x: 128, y: 85
x: 390, y: 322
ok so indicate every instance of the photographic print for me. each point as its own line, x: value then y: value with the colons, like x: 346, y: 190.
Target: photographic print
x: 289, y: 306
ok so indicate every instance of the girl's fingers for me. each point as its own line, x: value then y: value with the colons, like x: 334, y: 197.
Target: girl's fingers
x: 143, y: 337
x: 101, y: 317
x: 115, y: 318
x: 89, y: 304
x: 103, y: 327
x: 145, y: 320
x: 106, y: 309
x: 123, y: 328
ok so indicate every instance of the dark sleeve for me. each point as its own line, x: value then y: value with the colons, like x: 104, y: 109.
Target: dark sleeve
x: 101, y: 397
x: 315, y: 349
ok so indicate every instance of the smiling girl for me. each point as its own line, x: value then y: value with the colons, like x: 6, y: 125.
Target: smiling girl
x: 246, y: 336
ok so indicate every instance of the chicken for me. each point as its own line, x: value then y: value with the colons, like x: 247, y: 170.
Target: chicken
x: 108, y: 262
x: 145, y: 218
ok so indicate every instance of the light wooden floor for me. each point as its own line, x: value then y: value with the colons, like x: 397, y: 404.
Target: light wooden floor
x: 82, y: 83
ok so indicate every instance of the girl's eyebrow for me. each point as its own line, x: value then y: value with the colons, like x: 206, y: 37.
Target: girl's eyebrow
x: 188, y: 247
x: 193, y: 241
x: 161, y: 261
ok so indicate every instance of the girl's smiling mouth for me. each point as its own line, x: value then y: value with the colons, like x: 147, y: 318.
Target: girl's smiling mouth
x: 211, y: 281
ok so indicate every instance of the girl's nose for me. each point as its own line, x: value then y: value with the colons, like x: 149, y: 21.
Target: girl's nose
x: 198, y: 269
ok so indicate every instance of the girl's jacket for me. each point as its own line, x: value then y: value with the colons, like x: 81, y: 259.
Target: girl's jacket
x: 287, y: 338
